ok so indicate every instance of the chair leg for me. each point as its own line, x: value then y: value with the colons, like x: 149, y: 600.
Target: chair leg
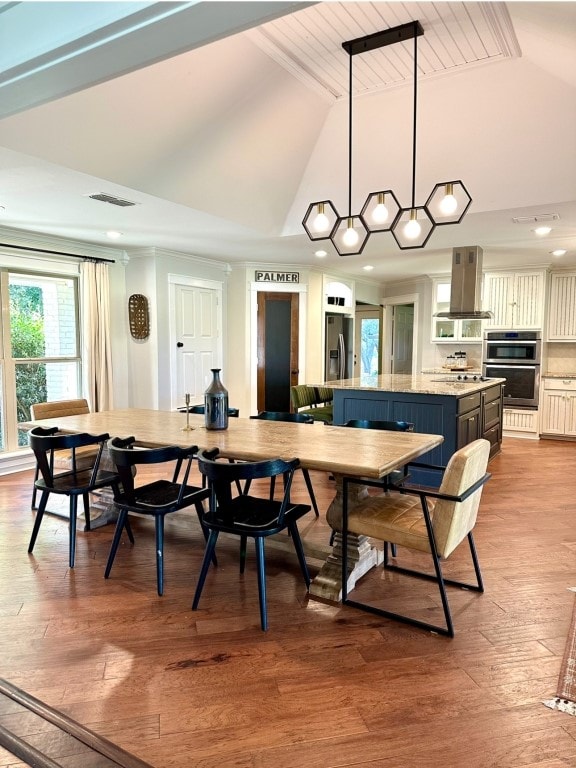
x: 208, y: 555
x: 438, y: 578
x: 159, y: 524
x: 72, y: 529
x: 310, y: 491
x: 300, y: 552
x: 34, y: 489
x: 38, y: 520
x: 261, y: 567
x: 393, y: 550
x: 475, y: 562
x: 243, y: 547
x: 86, y: 498
x: 200, y: 513
x: 120, y: 524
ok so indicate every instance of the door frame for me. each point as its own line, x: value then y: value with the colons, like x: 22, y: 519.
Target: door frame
x: 388, y: 304
x: 256, y: 288
x: 190, y: 282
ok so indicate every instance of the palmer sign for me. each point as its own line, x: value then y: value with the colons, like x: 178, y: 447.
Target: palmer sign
x: 277, y: 277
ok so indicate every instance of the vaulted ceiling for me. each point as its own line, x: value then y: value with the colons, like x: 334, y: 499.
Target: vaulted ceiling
x: 223, y: 121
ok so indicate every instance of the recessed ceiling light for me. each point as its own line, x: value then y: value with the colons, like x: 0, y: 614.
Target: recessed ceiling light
x: 113, y: 234
x: 543, y: 231
x: 368, y: 268
x: 321, y: 254
x: 558, y: 252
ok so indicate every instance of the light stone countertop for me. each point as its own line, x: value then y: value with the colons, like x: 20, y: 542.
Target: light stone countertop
x: 421, y: 384
x: 555, y: 375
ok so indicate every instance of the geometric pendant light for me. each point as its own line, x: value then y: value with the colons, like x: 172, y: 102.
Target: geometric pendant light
x: 410, y: 226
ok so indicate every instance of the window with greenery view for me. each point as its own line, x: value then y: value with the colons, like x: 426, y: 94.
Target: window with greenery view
x: 41, y: 347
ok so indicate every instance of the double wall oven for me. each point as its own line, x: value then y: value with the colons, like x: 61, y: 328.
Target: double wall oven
x: 514, y: 356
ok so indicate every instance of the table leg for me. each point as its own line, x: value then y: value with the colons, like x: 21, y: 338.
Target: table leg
x: 362, y: 555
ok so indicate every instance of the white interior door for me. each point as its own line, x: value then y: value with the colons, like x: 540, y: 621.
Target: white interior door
x: 196, y: 341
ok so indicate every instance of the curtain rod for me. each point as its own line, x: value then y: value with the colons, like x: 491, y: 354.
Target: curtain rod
x: 56, y: 253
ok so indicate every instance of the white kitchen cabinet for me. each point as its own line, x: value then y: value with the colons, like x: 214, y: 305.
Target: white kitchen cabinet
x: 520, y: 422
x: 559, y: 407
x: 516, y: 299
x: 562, y: 307
x: 445, y: 330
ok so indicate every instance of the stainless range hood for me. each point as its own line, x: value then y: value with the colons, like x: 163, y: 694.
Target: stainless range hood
x: 466, y: 285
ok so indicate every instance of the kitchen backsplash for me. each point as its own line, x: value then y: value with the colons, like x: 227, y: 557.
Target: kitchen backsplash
x: 561, y: 357
x: 473, y: 354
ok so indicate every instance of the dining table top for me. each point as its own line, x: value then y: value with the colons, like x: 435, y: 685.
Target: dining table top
x: 341, y: 450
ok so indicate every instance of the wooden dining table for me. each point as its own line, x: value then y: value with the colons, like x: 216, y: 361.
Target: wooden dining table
x: 340, y: 451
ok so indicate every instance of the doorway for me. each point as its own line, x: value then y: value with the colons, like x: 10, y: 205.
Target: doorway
x: 402, y: 338
x: 400, y: 348
x: 277, y: 352
x: 367, y: 340
x: 196, y: 341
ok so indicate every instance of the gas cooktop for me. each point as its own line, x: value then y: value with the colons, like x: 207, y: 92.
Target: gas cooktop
x: 464, y: 377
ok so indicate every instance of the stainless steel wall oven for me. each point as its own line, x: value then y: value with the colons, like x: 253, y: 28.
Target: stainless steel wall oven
x: 514, y: 356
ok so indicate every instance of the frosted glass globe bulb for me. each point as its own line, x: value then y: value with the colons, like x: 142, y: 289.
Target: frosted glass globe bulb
x: 448, y: 205
x: 412, y: 229
x: 380, y: 214
x: 321, y: 223
x: 350, y: 237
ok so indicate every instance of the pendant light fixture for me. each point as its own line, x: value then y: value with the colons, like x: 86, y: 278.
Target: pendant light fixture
x: 411, y: 227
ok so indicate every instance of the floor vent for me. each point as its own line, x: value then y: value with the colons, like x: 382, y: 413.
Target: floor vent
x: 104, y: 198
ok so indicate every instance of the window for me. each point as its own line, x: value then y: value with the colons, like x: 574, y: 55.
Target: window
x: 41, y: 349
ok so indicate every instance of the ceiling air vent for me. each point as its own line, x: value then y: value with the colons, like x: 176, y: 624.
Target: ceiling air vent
x: 537, y: 217
x: 104, y: 198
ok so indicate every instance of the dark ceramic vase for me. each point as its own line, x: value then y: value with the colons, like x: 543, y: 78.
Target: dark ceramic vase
x: 216, y: 403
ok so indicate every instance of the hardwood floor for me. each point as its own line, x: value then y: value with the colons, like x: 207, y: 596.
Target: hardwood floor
x: 326, y: 686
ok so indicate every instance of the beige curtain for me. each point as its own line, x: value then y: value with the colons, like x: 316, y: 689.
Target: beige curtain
x: 96, y: 349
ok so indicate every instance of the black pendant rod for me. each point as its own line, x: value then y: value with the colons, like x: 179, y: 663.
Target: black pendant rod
x: 55, y: 253
x: 350, y: 138
x: 414, y: 122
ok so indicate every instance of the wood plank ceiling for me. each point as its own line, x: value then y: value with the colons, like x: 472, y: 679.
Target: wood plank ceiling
x: 456, y: 35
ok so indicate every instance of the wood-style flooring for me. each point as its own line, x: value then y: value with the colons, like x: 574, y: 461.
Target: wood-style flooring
x: 326, y: 686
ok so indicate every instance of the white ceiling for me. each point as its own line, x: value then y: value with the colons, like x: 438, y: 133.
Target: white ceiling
x: 222, y: 132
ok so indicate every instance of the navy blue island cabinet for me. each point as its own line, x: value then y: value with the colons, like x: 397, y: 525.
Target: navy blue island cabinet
x: 460, y: 411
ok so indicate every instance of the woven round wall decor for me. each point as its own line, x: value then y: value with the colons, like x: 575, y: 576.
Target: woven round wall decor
x: 139, y: 316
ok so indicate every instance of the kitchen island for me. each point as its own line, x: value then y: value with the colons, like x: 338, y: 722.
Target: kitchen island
x: 460, y: 410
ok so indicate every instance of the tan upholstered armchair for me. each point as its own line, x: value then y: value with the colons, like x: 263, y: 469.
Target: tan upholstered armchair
x: 428, y: 520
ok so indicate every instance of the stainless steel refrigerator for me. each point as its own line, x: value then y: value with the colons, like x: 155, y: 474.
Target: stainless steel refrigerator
x: 338, y: 347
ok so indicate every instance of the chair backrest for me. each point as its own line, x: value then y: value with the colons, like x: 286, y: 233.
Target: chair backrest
x: 453, y: 520
x: 392, y: 426
x: 59, y: 408
x: 222, y: 475
x: 125, y: 453
x: 324, y: 394
x: 302, y: 395
x: 44, y: 442
x: 301, y: 418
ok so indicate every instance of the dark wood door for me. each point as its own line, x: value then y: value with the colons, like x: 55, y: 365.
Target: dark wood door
x: 277, y: 349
